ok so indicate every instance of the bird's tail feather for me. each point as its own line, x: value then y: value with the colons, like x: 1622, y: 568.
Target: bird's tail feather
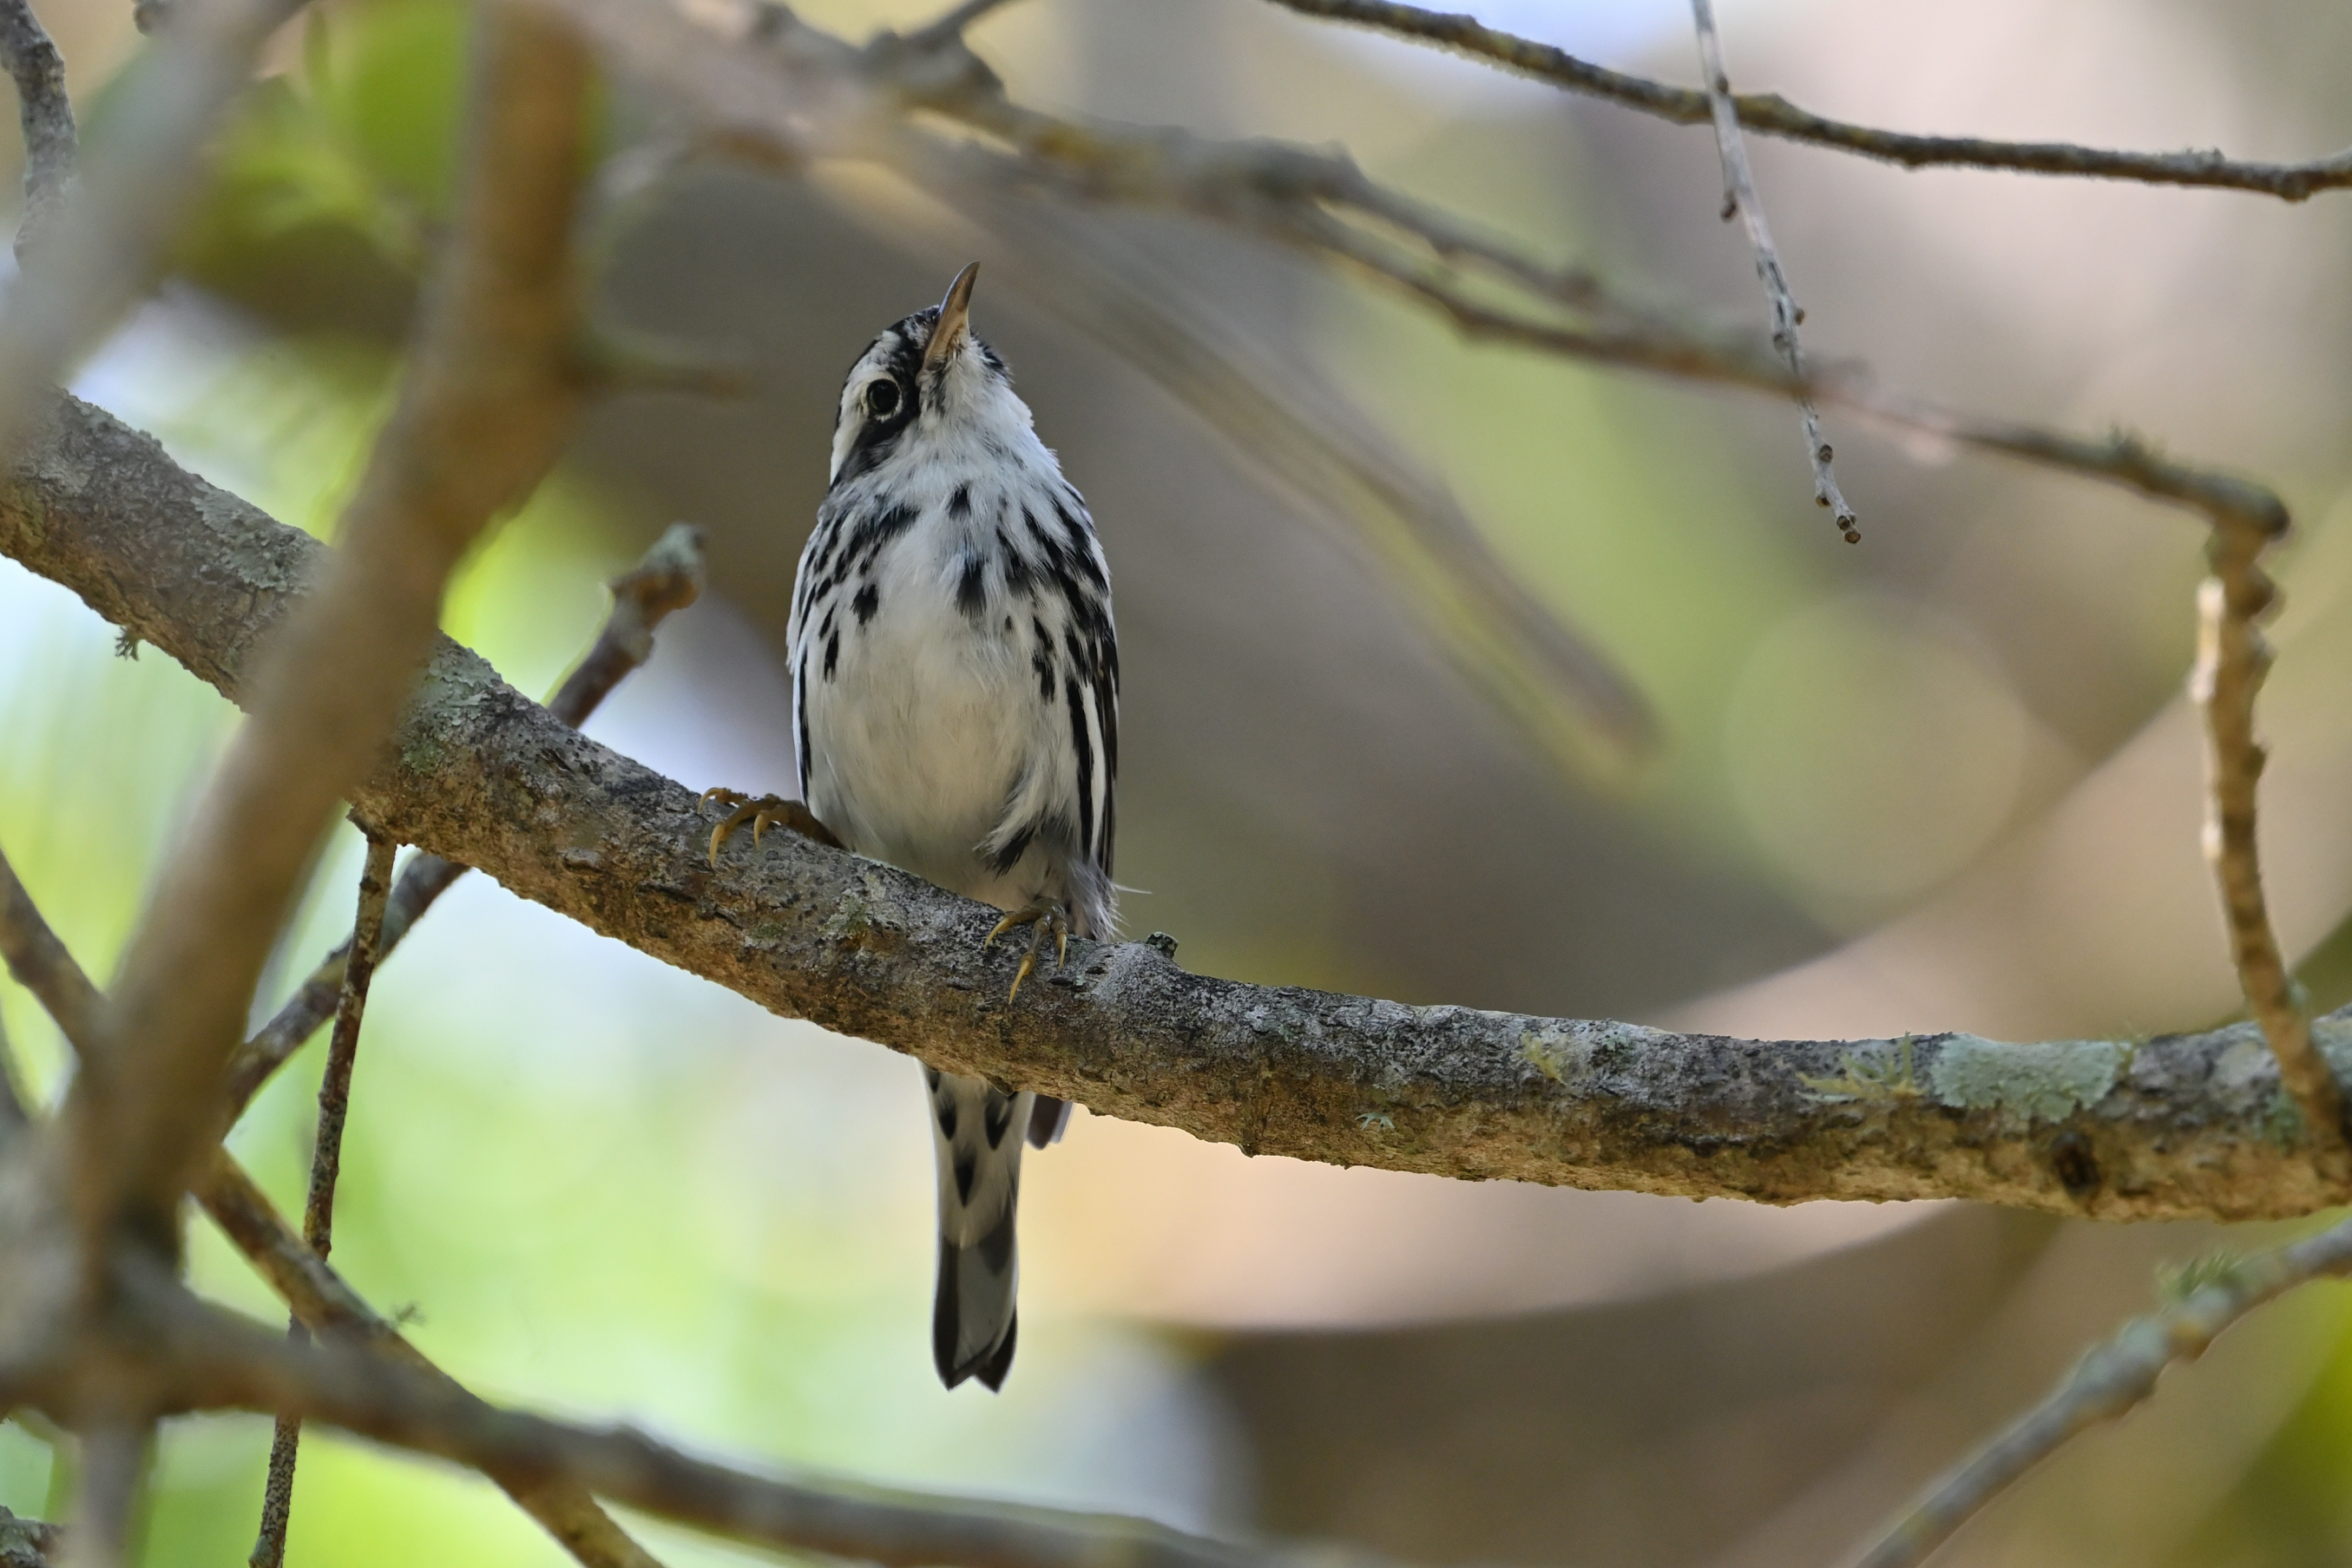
x: 977, y: 1132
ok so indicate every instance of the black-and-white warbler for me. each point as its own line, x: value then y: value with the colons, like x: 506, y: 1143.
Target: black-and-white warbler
x: 955, y: 698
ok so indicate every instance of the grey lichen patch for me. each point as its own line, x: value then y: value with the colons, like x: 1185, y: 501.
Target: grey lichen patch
x: 2333, y: 1035
x: 2047, y: 1081
x: 1567, y: 1050
x: 1884, y: 1073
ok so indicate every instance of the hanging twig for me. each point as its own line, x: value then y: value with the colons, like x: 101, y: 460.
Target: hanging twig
x: 326, y: 1168
x: 1739, y: 199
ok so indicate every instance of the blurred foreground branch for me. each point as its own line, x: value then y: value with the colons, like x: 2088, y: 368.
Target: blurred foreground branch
x: 1769, y: 114
x: 2108, y: 1382
x: 2179, y: 1125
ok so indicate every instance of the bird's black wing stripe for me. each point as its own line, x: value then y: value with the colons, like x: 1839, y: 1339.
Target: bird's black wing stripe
x: 1082, y: 741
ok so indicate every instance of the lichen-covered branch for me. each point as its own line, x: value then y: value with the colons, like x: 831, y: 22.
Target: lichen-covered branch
x: 1739, y: 200
x: 1769, y: 114
x: 2177, y: 1126
x: 2108, y: 1382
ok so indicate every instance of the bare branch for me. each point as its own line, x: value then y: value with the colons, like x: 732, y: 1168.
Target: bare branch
x: 667, y: 579
x: 42, y: 965
x: 320, y: 1302
x: 1739, y: 197
x: 216, y: 1360
x: 953, y: 24
x: 45, y: 112
x: 2174, y: 1126
x: 1769, y: 114
x: 2106, y: 1383
x: 326, y: 1306
x: 487, y: 401
x: 326, y: 1168
x: 99, y: 253
x: 114, y: 1458
x: 2232, y: 657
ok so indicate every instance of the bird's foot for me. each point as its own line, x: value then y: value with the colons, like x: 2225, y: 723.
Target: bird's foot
x: 763, y: 812
x: 1041, y: 914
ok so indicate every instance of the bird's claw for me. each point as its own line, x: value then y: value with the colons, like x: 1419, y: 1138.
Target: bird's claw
x: 1041, y: 916
x: 763, y: 812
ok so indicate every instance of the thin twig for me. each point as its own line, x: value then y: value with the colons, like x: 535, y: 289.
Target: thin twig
x: 2232, y: 658
x: 2110, y: 1380
x: 667, y: 579
x: 326, y: 1168
x: 1772, y: 115
x: 487, y: 402
x: 46, y: 114
x: 318, y: 1297
x: 1739, y: 198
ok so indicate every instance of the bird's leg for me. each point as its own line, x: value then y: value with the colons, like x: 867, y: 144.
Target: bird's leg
x: 1041, y: 914
x: 762, y: 814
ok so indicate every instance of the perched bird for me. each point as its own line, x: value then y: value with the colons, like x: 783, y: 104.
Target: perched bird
x: 955, y: 701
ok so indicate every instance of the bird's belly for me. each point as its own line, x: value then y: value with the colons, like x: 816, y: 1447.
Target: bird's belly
x: 916, y: 742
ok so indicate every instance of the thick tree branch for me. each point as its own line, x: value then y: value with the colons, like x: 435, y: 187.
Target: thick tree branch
x: 1769, y: 114
x: 2108, y: 1382
x: 2174, y: 1126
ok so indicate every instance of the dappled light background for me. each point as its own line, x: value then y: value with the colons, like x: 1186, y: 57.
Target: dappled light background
x: 1943, y: 779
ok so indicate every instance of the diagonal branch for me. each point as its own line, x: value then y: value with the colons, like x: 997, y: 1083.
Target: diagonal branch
x: 45, y: 112
x: 487, y: 401
x: 2106, y: 1383
x: 667, y: 579
x: 326, y: 1306
x: 321, y: 1302
x: 2175, y: 1126
x: 1739, y: 199
x: 1769, y: 114
x: 210, y: 1359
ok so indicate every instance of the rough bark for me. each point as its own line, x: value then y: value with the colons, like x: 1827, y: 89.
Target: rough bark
x: 2177, y: 1126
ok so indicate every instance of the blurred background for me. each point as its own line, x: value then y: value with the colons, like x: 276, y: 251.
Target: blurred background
x: 1943, y: 779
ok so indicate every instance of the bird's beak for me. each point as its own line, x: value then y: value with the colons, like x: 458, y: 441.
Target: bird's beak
x: 954, y: 326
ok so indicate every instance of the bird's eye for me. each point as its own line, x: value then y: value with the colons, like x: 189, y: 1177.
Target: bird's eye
x: 882, y: 399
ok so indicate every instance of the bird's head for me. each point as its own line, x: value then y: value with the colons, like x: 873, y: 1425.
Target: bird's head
x: 927, y: 388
